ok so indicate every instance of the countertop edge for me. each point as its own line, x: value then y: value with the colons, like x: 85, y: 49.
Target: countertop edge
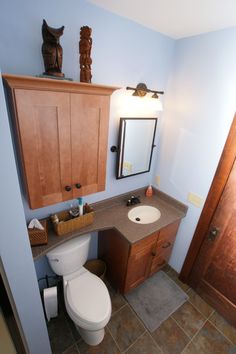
x: 107, y: 207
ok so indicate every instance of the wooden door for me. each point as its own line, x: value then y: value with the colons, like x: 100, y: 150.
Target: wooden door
x: 44, y: 132
x: 213, y: 272
x: 89, y: 132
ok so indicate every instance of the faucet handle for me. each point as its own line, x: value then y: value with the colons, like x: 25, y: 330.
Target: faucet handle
x: 128, y: 203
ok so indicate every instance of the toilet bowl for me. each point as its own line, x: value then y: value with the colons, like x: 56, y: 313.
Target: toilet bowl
x: 86, y: 297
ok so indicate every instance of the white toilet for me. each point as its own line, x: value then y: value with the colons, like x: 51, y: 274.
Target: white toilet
x: 86, y: 297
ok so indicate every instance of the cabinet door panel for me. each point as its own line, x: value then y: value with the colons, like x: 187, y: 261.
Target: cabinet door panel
x: 160, y: 260
x: 139, y: 264
x: 164, y: 245
x: 147, y: 242
x: 89, y: 131
x: 44, y: 131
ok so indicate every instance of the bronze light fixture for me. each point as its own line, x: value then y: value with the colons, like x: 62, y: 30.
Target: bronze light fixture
x: 141, y: 90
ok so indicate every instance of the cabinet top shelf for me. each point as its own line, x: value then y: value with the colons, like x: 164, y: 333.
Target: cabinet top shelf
x: 47, y: 84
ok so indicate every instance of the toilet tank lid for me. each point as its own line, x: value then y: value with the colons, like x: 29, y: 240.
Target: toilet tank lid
x: 67, y: 246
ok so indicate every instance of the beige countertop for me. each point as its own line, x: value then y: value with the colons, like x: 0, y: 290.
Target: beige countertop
x: 113, y: 213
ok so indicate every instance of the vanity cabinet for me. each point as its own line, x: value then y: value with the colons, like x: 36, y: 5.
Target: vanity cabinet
x: 62, y: 128
x: 130, y: 264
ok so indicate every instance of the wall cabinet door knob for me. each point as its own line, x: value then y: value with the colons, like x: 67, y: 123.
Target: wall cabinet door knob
x: 166, y: 245
x: 78, y: 185
x: 68, y: 188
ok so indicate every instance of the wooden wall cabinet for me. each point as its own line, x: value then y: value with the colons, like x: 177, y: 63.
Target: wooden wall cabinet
x: 130, y: 264
x: 62, y: 128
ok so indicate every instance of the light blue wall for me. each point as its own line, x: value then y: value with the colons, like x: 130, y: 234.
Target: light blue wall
x: 15, y: 251
x: 199, y: 108
x: 123, y: 52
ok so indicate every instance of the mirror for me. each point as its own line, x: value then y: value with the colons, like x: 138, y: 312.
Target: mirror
x: 135, y: 146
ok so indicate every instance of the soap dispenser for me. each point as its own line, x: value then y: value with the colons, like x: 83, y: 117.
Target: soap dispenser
x: 149, y: 191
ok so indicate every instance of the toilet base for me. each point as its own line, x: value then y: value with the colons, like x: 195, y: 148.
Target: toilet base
x: 91, y: 337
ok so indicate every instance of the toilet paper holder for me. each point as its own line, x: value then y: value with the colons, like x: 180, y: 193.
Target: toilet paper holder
x: 49, y: 296
x: 46, y: 278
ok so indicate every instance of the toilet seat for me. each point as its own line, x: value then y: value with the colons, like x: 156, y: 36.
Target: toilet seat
x: 88, y: 301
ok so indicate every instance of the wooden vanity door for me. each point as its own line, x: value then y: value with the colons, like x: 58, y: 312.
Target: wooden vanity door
x: 44, y: 132
x: 139, y: 262
x: 164, y: 245
x: 89, y: 131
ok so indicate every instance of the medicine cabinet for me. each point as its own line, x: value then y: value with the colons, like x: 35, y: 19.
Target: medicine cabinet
x: 135, y: 146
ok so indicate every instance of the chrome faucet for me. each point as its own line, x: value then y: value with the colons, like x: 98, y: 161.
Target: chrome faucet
x: 133, y: 200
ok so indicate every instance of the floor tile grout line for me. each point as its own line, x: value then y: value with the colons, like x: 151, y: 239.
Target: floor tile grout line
x: 156, y: 342
x: 140, y: 321
x: 191, y: 340
x: 114, y: 313
x: 76, y: 344
x: 146, y: 331
x: 64, y: 351
x: 180, y: 327
x: 200, y: 311
x: 113, y: 338
x: 208, y: 318
x: 219, y: 330
x: 134, y: 342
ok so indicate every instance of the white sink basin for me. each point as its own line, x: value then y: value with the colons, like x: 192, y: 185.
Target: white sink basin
x: 144, y: 214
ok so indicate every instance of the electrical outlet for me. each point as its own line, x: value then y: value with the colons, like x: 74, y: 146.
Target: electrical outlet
x: 158, y: 180
x: 195, y: 199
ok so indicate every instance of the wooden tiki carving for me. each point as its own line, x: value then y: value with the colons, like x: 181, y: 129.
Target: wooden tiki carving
x: 52, y: 50
x: 85, y: 46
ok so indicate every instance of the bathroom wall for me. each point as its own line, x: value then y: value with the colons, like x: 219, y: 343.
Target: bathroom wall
x: 123, y: 52
x: 199, y: 108
x: 15, y: 251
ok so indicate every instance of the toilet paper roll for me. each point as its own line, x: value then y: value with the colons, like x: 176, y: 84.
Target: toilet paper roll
x: 50, y: 302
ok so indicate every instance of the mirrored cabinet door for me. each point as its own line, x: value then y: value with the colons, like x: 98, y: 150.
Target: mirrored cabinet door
x: 136, y: 143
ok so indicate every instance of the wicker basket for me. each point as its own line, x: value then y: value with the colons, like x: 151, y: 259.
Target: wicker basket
x: 97, y: 267
x: 39, y: 237
x: 66, y: 224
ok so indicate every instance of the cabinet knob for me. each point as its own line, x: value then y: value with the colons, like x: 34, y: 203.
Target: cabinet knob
x: 166, y: 245
x: 68, y: 188
x: 78, y: 185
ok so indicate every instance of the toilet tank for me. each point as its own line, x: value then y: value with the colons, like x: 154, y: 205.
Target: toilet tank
x: 70, y: 256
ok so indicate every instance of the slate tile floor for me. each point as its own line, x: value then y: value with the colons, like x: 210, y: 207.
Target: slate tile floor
x: 195, y: 328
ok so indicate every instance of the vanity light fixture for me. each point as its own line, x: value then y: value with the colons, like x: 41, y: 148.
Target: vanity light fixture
x: 141, y: 90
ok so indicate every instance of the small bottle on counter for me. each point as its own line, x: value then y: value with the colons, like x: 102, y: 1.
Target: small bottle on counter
x: 81, y: 206
x: 149, y: 191
x: 87, y: 208
x: 54, y: 218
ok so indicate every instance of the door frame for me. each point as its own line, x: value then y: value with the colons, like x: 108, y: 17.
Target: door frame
x: 217, y: 187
